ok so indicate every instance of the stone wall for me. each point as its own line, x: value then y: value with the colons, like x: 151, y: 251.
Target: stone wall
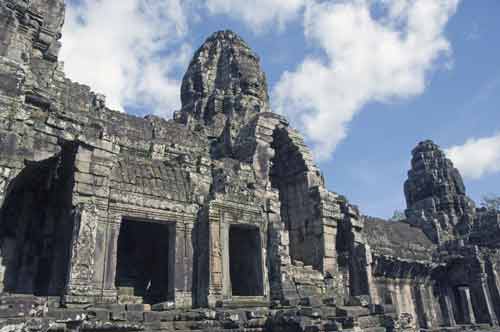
x: 114, y: 222
x: 122, y: 166
x: 430, y: 265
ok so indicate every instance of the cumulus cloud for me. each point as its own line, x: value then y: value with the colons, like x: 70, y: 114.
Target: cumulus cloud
x: 371, y: 51
x: 477, y: 156
x: 258, y: 14
x: 128, y: 50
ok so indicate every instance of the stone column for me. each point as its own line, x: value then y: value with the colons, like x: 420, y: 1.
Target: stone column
x: 215, y: 258
x: 447, y: 308
x: 487, y: 302
x: 279, y: 262
x: 81, y: 285
x: 494, y: 285
x: 327, y: 211
x: 466, y: 305
x: 95, y: 244
x: 226, y: 272
x: 182, y: 258
x: 370, y: 283
x: 108, y: 241
x: 424, y: 306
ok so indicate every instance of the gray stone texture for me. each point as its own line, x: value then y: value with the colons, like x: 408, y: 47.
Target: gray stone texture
x: 215, y: 220
x: 435, y: 195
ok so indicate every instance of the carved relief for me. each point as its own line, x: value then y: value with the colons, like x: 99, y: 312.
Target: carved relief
x: 83, y: 248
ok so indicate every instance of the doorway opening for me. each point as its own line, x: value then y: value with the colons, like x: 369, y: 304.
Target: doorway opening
x: 144, y: 265
x: 245, y: 261
x: 36, y: 227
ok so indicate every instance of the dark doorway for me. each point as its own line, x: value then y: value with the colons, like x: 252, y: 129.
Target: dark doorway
x: 36, y: 226
x: 245, y: 260
x: 144, y: 260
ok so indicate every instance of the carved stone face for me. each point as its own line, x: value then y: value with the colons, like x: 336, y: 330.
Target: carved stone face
x: 223, y: 69
x: 251, y: 77
x: 252, y: 86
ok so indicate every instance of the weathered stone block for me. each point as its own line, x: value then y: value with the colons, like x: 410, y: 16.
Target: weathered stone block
x: 135, y: 316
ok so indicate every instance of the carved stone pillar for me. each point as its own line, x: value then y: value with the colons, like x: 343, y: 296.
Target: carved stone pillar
x: 447, y: 308
x: 183, y: 268
x: 108, y: 257
x: 81, y: 286
x: 489, y: 311
x: 282, y: 287
x: 215, y: 258
x: 464, y: 298
x: 372, y: 288
x: 494, y: 286
x: 424, y: 306
x: 226, y: 272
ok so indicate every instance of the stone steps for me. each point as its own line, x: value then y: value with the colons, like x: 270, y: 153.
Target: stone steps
x: 372, y: 321
x: 246, y: 302
x: 375, y: 329
x: 140, y: 317
x: 353, y: 311
x: 22, y: 306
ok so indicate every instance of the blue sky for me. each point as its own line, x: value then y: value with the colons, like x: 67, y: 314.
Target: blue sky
x: 370, y: 165
x: 411, y: 73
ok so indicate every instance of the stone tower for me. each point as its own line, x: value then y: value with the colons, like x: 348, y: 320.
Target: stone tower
x: 215, y: 220
x: 222, y: 90
x: 435, y: 195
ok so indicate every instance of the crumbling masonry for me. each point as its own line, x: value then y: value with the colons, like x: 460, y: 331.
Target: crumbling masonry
x: 215, y: 220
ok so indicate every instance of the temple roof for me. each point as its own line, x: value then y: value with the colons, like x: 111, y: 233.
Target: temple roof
x: 397, y: 238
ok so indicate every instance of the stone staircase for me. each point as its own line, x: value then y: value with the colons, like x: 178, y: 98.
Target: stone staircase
x: 29, y: 313
x: 23, y: 313
x: 23, y: 306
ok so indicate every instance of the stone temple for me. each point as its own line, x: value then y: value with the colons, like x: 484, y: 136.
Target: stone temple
x: 216, y: 220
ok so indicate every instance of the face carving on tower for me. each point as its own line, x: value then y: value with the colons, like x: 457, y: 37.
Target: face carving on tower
x: 223, y: 88
x: 435, y: 195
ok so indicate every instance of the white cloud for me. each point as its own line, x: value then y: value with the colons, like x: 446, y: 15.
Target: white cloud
x: 128, y: 50
x: 366, y: 58
x: 477, y: 156
x: 258, y: 14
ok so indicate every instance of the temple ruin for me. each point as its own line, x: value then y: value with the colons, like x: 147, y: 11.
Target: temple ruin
x: 215, y: 220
